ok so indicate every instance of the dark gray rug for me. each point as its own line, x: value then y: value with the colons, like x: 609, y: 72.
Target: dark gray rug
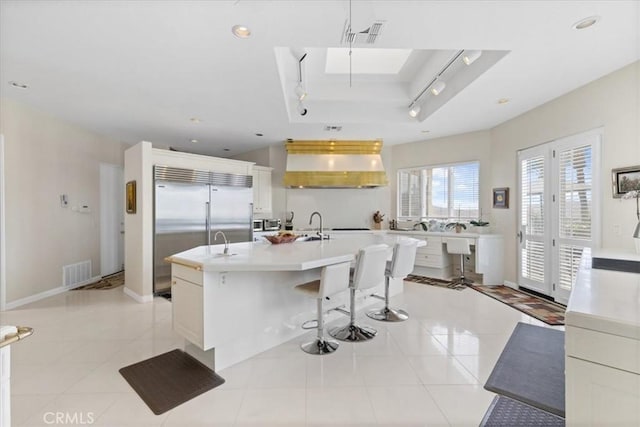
x: 170, y: 379
x: 531, y: 368
x: 505, y: 412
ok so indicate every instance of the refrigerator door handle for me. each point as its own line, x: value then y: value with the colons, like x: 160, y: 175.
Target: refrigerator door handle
x: 208, y: 223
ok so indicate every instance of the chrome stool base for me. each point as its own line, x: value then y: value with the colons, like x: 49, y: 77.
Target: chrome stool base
x: 353, y: 333
x: 320, y: 346
x: 389, y: 315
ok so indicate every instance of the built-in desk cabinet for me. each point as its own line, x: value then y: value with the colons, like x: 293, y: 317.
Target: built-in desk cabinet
x: 432, y: 260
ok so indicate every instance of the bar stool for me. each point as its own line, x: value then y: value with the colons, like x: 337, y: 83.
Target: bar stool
x: 368, y: 272
x: 462, y: 246
x: 404, y: 256
x: 333, y: 279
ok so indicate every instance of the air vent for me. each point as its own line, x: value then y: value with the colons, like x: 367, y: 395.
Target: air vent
x: 333, y: 128
x: 78, y: 274
x: 368, y: 35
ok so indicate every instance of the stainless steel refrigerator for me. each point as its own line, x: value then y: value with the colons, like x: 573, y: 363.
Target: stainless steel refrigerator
x: 190, y: 206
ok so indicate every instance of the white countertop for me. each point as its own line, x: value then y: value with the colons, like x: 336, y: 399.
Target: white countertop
x: 296, y: 256
x: 469, y: 235
x: 605, y: 301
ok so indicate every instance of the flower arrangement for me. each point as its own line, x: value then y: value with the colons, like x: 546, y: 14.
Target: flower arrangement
x: 377, y: 217
x: 634, y: 194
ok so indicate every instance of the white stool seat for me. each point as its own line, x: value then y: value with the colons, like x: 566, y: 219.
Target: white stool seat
x: 333, y: 279
x: 368, y: 272
x: 461, y: 246
x: 401, y: 264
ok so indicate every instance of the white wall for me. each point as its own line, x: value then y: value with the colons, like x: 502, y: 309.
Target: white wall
x: 611, y: 102
x: 44, y: 158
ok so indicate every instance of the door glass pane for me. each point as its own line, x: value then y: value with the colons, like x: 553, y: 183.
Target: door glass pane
x: 532, y: 261
x: 532, y: 196
x: 568, y: 265
x: 575, y: 193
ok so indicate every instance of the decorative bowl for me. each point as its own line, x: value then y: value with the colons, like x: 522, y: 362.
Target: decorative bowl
x: 277, y: 239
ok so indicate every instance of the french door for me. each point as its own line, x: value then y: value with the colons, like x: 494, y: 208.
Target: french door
x: 558, y: 211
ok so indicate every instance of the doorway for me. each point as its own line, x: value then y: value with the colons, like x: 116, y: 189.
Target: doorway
x: 558, y: 211
x: 111, y: 219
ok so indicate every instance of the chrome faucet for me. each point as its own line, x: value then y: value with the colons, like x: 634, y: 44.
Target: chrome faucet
x: 226, y: 242
x: 320, y: 233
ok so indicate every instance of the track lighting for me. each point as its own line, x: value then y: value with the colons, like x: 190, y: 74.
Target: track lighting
x: 469, y: 56
x: 300, y: 92
x: 414, y: 110
x: 437, y: 87
x: 301, y: 110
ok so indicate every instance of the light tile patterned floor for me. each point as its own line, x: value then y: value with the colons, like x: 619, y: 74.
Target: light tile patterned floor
x: 428, y: 370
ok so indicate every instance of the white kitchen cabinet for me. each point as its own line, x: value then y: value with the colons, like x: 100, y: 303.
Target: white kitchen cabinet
x: 602, y: 348
x: 262, y: 191
x: 432, y: 260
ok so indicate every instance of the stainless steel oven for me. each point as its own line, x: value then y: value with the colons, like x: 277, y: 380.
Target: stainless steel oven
x: 257, y: 225
x: 271, y: 224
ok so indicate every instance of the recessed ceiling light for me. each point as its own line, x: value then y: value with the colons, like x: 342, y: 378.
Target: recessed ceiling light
x: 195, y: 120
x: 425, y: 131
x: 586, y: 23
x: 241, y: 31
x: 226, y: 149
x: 503, y: 100
x: 18, y: 85
x: 194, y: 141
x: 259, y: 134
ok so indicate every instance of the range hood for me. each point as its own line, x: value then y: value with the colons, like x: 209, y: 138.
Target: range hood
x: 334, y: 164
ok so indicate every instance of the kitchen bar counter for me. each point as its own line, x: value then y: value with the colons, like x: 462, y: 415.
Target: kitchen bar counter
x: 602, y: 344
x: 230, y: 308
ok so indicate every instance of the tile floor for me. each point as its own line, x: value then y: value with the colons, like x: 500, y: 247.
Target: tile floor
x: 428, y: 370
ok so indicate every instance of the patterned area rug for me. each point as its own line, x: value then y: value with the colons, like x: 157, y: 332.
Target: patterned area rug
x: 549, y: 312
x: 107, y: 282
x: 544, y: 310
x: 434, y: 282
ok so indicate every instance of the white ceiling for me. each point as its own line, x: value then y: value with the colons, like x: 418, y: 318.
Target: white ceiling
x: 139, y: 70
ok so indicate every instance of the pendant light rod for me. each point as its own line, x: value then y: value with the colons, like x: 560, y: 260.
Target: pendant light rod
x: 300, y: 67
x: 437, y: 76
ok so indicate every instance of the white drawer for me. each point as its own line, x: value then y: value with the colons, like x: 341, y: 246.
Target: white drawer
x: 430, y: 260
x: 609, y: 350
x: 189, y: 274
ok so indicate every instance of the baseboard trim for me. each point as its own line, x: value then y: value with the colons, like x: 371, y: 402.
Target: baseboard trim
x: 142, y: 299
x: 46, y: 294
x: 511, y: 285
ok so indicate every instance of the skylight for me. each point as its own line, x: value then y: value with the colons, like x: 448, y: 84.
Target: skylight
x: 366, y: 60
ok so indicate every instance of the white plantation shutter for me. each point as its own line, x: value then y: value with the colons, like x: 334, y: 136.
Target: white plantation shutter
x: 465, y: 187
x: 575, y: 207
x: 410, y: 194
x: 447, y: 192
x: 532, y: 189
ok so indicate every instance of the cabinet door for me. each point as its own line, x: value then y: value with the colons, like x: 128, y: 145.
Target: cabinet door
x: 188, y: 320
x: 599, y: 395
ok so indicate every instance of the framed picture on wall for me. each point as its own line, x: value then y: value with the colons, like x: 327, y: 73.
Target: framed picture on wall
x: 501, y: 198
x: 625, y: 180
x: 131, y: 197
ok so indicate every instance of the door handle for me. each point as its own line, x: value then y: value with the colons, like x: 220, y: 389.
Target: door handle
x: 520, y: 236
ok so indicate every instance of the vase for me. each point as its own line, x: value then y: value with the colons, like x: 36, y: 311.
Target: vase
x: 377, y: 226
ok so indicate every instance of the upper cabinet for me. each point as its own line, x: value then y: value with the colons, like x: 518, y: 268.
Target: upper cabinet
x: 262, y: 190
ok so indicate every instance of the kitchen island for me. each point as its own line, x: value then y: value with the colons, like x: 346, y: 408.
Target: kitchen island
x: 602, y: 344
x: 234, y: 306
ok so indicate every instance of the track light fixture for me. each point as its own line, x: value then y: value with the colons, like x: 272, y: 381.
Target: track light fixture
x: 414, y: 110
x: 437, y: 87
x: 301, y: 109
x: 469, y: 56
x: 300, y: 92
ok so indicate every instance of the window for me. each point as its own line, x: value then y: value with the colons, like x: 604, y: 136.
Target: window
x: 443, y: 191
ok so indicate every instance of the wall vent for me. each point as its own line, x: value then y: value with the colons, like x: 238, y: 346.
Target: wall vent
x: 329, y: 128
x: 76, y: 274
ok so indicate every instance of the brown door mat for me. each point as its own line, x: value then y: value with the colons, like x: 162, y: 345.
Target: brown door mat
x: 434, y: 282
x: 170, y: 379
